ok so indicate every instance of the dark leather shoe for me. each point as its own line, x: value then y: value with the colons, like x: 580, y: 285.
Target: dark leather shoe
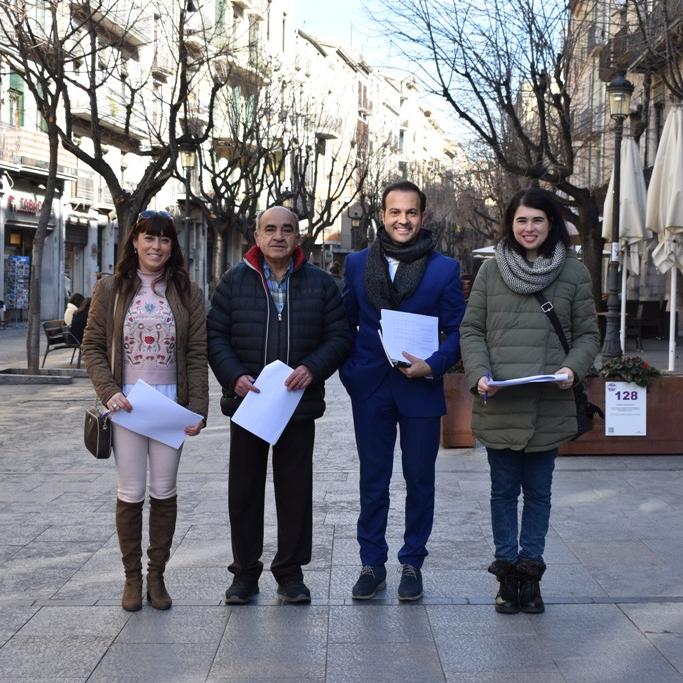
x: 410, y: 587
x: 241, y: 591
x: 294, y: 592
x: 371, y: 579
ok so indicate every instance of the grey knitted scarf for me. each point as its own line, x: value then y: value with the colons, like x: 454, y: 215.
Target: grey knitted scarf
x: 523, y: 277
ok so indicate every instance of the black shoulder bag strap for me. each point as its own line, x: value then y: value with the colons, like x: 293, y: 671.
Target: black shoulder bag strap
x: 549, y: 310
x: 579, y: 390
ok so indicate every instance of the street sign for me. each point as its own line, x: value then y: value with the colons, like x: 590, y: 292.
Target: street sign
x: 625, y: 409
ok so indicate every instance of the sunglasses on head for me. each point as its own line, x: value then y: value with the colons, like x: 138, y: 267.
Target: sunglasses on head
x: 150, y: 213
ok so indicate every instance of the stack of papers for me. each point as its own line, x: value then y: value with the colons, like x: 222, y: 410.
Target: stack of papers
x: 562, y: 377
x: 417, y: 334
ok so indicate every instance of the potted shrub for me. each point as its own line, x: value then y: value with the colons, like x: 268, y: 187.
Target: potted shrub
x: 663, y: 393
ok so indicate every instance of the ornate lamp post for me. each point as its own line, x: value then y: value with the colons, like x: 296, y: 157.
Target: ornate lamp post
x: 619, y: 93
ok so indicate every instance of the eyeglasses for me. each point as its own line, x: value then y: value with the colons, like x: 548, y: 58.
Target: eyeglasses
x: 150, y: 213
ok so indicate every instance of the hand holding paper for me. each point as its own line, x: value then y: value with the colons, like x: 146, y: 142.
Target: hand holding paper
x: 401, y: 332
x: 156, y: 416
x: 267, y: 413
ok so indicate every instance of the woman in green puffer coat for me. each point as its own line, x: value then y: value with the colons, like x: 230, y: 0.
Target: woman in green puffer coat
x: 506, y: 335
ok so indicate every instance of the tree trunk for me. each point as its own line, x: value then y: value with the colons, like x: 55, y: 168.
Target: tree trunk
x: 33, y: 333
x: 591, y: 244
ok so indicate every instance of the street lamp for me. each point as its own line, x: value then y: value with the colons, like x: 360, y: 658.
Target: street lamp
x: 354, y: 213
x: 187, y: 161
x: 619, y: 93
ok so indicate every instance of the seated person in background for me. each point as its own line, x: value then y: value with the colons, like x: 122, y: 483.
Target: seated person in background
x: 75, y: 300
x: 79, y: 319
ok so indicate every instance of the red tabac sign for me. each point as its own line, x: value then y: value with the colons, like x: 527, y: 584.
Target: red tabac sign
x: 24, y: 205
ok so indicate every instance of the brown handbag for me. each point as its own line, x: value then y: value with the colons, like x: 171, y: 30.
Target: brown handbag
x: 97, y: 430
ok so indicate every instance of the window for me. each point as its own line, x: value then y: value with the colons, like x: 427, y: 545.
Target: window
x: 16, y: 100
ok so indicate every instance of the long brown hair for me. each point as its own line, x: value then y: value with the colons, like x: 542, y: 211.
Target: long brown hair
x: 158, y: 223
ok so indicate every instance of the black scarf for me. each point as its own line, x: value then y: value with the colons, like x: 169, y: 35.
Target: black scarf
x: 381, y: 291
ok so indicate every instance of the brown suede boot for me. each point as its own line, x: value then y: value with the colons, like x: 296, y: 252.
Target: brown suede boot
x: 129, y: 531
x: 162, y: 517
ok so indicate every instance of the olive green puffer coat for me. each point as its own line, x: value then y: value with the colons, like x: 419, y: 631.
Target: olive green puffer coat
x: 508, y: 335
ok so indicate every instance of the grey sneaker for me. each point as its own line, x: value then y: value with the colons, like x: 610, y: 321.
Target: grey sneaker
x: 410, y: 587
x: 371, y: 579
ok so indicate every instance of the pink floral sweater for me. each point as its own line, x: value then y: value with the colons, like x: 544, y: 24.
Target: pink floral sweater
x: 149, y: 336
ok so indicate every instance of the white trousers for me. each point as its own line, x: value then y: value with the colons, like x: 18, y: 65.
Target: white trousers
x: 136, y: 454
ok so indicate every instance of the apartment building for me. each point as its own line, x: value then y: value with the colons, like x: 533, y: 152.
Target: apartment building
x: 337, y: 115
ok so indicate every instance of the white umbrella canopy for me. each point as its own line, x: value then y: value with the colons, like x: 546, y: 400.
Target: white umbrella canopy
x: 665, y: 210
x: 632, y: 204
x: 633, y: 235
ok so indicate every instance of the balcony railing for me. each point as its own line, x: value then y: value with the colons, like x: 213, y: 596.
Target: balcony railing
x: 163, y: 65
x: 30, y: 149
x: 103, y: 195
x: 129, y: 22
x: 330, y: 128
x: 594, y: 38
x: 111, y: 112
x: 84, y: 188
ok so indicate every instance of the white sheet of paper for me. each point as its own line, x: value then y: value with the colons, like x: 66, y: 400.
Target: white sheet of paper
x: 417, y: 334
x: 267, y: 413
x: 562, y: 377
x: 156, y: 416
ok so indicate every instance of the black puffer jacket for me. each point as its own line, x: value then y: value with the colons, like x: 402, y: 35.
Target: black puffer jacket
x: 245, y: 331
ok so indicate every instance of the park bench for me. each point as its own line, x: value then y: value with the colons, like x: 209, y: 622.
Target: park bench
x: 58, y: 337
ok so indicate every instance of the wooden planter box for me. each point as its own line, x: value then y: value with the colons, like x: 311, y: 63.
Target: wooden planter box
x: 455, y: 424
x: 664, y: 434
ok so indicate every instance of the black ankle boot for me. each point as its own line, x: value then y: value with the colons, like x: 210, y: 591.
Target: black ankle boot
x: 529, y: 573
x: 507, y: 600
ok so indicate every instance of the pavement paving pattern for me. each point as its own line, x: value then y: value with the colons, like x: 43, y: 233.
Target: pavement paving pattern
x: 613, y: 588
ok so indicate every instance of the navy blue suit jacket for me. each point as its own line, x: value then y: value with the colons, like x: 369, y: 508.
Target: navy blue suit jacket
x: 439, y: 294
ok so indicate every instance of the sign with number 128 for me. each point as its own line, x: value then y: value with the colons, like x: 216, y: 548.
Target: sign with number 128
x: 625, y: 409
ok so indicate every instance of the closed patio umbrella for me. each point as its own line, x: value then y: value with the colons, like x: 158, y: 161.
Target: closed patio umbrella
x: 633, y: 234
x: 665, y: 210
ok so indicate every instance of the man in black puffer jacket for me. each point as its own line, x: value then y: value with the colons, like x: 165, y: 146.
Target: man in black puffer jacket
x: 274, y: 306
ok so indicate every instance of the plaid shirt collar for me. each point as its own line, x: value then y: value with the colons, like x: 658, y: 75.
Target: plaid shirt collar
x: 278, y: 290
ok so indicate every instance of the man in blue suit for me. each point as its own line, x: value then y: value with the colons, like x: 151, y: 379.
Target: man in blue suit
x: 401, y: 271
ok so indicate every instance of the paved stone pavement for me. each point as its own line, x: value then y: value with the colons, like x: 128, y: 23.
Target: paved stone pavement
x: 614, y: 585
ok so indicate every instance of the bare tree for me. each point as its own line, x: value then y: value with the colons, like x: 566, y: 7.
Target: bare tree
x: 504, y: 69
x: 325, y: 172
x: 245, y: 159
x: 111, y: 97
x: 31, y: 49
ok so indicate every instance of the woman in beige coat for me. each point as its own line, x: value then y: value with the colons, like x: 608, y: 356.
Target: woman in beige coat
x: 147, y: 322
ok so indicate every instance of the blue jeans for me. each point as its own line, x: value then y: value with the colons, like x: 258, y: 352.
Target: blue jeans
x: 533, y: 474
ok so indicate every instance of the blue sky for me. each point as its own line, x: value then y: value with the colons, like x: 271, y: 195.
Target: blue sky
x: 345, y: 22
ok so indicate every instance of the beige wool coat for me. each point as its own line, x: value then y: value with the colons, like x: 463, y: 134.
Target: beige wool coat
x: 508, y: 335
x: 191, y: 351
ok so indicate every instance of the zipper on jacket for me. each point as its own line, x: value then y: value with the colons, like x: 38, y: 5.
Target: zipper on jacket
x: 267, y: 295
